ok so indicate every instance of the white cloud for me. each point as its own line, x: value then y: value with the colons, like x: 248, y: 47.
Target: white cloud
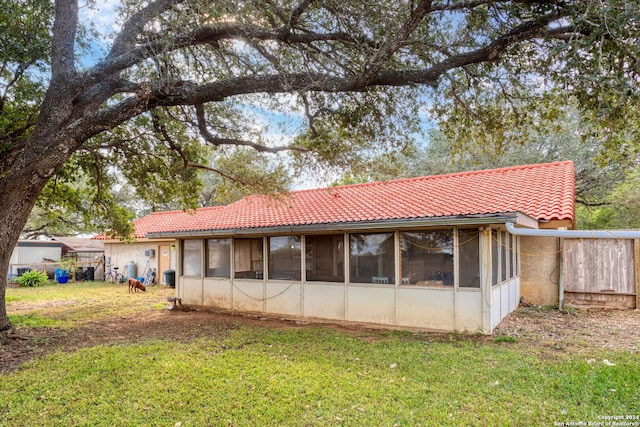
x: 103, y: 15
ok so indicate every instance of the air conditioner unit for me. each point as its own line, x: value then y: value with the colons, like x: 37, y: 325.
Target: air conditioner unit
x: 150, y: 253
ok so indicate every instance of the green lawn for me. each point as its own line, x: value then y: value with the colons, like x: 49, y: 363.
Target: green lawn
x: 75, y: 304
x: 255, y: 375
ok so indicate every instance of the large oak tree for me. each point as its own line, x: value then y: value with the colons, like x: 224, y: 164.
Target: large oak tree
x: 180, y: 75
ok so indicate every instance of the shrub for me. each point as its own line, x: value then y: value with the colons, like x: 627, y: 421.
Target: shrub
x: 32, y: 278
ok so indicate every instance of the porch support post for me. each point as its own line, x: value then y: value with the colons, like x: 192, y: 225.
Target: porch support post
x: 178, y: 271
x: 203, y: 267
x: 265, y: 271
x: 347, y: 274
x: 303, y: 272
x: 232, y: 274
x: 397, y: 262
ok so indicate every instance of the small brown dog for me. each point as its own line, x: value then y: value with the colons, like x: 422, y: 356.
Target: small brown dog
x: 135, y: 284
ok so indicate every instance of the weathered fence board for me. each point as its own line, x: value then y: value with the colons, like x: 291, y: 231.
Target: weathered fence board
x: 601, y: 272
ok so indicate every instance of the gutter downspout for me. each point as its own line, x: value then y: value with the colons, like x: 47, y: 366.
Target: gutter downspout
x: 571, y: 234
x: 574, y: 234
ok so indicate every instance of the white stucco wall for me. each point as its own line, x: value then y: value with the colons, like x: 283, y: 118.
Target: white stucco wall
x: 119, y: 254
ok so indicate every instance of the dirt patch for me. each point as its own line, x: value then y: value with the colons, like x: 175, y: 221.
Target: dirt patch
x: 19, y: 306
x: 539, y: 329
x: 181, y: 325
x: 574, y: 330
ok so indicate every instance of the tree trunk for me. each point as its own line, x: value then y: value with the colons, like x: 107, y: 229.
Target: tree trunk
x: 14, y: 217
x: 19, y: 190
x: 47, y: 150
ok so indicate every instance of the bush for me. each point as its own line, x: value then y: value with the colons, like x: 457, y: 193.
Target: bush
x: 32, y: 278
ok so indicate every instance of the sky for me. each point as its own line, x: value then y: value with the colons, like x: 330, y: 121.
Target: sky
x: 278, y: 128
x: 102, y: 15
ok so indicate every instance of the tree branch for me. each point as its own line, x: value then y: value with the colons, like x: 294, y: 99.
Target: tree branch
x: 17, y: 75
x: 190, y: 94
x: 592, y: 204
x: 173, y: 93
x: 375, y: 64
x: 167, y: 93
x: 64, y: 36
x: 115, y: 63
x: 105, y: 119
x: 120, y: 59
x: 134, y: 25
x: 56, y: 109
x: 185, y: 160
x: 216, y: 141
x: 97, y: 95
x: 462, y: 5
x: 311, y: 117
x: 297, y: 12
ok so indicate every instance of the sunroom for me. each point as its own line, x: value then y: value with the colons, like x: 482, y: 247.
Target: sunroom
x: 427, y: 253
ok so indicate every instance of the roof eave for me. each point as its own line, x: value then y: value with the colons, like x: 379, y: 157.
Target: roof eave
x: 404, y: 223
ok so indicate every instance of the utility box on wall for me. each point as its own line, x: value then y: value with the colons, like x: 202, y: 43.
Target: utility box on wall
x: 150, y: 253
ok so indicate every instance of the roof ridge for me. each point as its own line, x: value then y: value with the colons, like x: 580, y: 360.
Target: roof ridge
x: 174, y: 211
x: 503, y: 169
x: 438, y: 176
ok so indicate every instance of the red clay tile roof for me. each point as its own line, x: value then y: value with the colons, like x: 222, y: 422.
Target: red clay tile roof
x: 543, y: 191
x: 157, y: 222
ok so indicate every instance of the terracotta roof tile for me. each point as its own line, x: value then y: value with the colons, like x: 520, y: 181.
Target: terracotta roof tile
x: 543, y: 191
x: 161, y: 221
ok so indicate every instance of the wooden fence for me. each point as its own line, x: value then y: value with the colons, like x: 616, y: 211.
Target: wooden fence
x: 602, y: 273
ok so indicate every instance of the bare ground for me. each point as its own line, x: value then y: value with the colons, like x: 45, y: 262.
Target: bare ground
x: 538, y: 330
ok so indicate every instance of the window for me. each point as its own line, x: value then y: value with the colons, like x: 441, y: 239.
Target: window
x: 372, y: 258
x: 504, y: 255
x: 516, y: 259
x: 325, y: 258
x: 469, y: 253
x: 503, y: 262
x: 512, y: 264
x: 219, y: 258
x: 285, y: 254
x: 192, y: 257
x: 248, y: 259
x: 495, y: 258
x: 427, y: 258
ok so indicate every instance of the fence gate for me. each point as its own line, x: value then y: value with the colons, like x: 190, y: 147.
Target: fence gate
x: 601, y: 272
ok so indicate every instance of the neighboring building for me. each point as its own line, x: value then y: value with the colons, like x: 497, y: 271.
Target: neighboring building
x: 430, y: 252
x: 33, y: 255
x: 88, y: 254
x: 45, y: 255
x: 142, y: 254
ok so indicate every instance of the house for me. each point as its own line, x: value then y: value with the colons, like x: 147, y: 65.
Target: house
x: 137, y: 257
x: 430, y: 252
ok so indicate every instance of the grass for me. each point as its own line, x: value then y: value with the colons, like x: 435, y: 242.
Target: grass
x: 32, y: 320
x: 504, y: 338
x: 76, y: 304
x: 310, y: 376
